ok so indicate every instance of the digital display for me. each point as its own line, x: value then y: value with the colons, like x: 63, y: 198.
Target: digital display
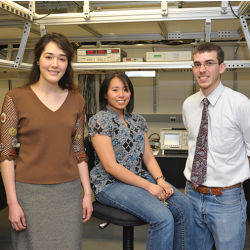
x: 115, y: 51
x: 101, y: 52
x: 90, y: 52
x: 100, y: 55
x: 172, y: 140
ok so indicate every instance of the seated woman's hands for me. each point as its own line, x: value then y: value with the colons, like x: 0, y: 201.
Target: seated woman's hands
x: 166, y: 187
x: 157, y: 191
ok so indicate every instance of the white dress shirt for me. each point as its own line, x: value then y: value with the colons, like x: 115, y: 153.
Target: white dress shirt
x: 228, y: 135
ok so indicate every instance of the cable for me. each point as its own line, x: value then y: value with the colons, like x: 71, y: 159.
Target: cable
x: 2, y: 53
x: 158, y: 136
x: 154, y: 143
x: 86, y: 85
x: 51, y: 12
x: 78, y: 5
x: 232, y: 10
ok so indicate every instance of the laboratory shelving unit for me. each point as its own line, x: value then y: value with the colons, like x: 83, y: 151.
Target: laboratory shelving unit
x: 158, y: 13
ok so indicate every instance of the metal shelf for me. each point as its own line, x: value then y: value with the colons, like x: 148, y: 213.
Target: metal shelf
x: 158, y: 16
x: 238, y: 64
x: 10, y: 65
x: 132, y: 65
x: 18, y: 10
x: 139, y: 15
x: 231, y: 64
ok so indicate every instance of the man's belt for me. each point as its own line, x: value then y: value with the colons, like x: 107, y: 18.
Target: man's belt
x: 214, y: 190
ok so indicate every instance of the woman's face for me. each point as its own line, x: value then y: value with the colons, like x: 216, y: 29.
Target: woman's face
x: 53, y: 63
x: 118, y: 95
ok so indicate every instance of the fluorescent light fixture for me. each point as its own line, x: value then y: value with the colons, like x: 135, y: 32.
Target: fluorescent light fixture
x: 139, y: 73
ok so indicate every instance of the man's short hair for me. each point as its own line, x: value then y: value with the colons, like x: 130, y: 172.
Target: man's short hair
x: 208, y: 47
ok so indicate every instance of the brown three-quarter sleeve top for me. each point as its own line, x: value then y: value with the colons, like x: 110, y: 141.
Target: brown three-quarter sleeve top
x: 51, y: 142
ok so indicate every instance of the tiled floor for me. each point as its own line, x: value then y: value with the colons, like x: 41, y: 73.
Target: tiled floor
x: 94, y: 238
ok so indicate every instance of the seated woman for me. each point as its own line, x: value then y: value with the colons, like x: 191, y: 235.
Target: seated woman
x: 121, y: 143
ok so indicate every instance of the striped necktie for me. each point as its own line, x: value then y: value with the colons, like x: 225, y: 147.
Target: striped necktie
x: 199, y: 168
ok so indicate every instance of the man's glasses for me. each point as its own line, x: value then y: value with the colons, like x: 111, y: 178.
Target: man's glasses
x: 206, y: 64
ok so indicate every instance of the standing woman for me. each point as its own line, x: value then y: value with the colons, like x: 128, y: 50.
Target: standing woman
x: 44, y: 191
x: 121, y: 143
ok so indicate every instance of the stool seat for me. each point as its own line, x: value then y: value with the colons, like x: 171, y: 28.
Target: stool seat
x: 115, y: 215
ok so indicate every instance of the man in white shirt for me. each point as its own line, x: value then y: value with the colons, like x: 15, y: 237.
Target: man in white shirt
x: 218, y: 165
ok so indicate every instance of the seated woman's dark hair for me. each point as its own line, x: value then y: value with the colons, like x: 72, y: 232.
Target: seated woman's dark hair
x: 66, y: 82
x: 104, y: 89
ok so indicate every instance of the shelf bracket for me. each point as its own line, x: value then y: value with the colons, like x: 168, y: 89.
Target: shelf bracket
x: 32, y: 30
x: 154, y: 92
x: 9, y: 53
x: 245, y: 30
x: 164, y: 31
x: 224, y: 7
x: 32, y: 9
x: 19, y: 57
x: 18, y: 9
x: 243, y: 8
x: 42, y: 30
x: 208, y: 29
x: 86, y: 10
x: 26, y: 32
x: 164, y: 8
x: 235, y: 87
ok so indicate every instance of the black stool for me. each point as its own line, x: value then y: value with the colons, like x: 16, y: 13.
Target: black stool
x: 121, y: 218
x: 113, y: 215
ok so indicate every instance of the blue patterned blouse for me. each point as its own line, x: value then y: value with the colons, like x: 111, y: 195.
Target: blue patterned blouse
x: 128, y: 144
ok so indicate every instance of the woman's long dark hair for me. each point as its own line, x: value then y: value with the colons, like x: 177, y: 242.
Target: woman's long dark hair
x: 104, y: 89
x: 66, y: 82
